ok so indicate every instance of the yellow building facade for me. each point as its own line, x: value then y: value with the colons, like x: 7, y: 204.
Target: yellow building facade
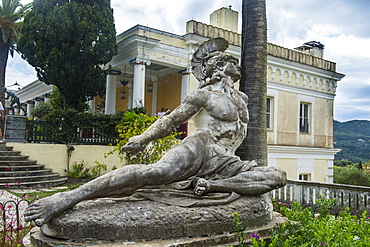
x: 152, y: 69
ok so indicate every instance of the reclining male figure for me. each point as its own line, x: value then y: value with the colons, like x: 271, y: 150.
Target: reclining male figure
x: 220, y: 117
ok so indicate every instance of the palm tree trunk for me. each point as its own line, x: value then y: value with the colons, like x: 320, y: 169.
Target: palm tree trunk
x: 253, y: 81
x: 4, y: 53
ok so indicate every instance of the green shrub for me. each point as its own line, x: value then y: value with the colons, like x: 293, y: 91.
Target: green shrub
x: 351, y: 175
x: 306, y: 228
x: 41, y: 110
x: 133, y: 124
x: 83, y: 171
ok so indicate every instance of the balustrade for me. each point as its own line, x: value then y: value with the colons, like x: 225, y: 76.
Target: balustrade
x: 305, y: 192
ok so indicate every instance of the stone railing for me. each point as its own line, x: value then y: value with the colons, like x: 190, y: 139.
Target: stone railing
x: 234, y: 38
x: 357, y: 198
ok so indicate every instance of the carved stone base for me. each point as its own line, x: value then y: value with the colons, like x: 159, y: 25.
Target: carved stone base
x: 130, y: 219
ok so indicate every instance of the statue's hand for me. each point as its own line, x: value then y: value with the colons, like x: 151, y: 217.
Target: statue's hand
x: 133, y: 144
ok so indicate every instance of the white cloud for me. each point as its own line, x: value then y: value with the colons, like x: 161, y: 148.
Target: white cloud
x: 341, y: 25
x: 18, y: 70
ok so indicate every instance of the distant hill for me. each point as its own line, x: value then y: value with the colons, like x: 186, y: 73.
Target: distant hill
x: 353, y: 137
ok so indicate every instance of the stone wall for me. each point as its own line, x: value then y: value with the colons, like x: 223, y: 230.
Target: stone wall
x: 55, y: 156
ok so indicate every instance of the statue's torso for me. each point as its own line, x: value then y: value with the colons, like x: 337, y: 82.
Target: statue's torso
x: 225, y: 118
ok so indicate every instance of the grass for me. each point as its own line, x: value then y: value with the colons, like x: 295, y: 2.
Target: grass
x: 32, y: 195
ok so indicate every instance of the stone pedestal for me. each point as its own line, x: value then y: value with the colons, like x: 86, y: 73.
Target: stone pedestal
x: 37, y: 239
x: 131, y: 219
x: 15, y: 128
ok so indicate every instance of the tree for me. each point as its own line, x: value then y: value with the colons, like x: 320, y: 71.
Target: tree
x: 253, y: 81
x: 68, y: 41
x: 11, y: 15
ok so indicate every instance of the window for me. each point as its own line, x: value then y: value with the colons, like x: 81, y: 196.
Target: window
x: 305, y: 176
x: 269, y: 113
x: 304, y: 123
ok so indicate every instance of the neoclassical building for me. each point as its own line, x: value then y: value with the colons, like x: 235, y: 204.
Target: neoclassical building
x: 152, y: 69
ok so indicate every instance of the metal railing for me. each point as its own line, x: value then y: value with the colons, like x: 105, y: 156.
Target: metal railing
x: 48, y: 132
x: 357, y: 198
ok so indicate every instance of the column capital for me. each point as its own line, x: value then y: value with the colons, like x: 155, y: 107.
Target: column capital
x: 38, y: 99
x: 113, y: 72
x: 185, y: 71
x: 140, y: 61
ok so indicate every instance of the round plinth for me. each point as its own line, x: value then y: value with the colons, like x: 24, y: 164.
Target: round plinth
x: 131, y: 219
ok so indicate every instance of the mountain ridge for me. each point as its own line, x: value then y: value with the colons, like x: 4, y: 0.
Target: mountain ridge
x: 353, y: 137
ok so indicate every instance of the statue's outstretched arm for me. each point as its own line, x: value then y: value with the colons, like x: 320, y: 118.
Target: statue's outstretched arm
x: 167, y: 123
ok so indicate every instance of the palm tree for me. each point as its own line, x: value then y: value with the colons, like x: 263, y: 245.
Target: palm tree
x: 11, y: 15
x: 253, y: 81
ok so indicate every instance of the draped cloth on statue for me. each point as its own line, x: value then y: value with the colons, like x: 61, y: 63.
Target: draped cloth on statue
x: 181, y: 193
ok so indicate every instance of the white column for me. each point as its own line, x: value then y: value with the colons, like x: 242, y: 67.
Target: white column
x: 24, y: 106
x: 138, y: 92
x: 30, y: 106
x: 154, y: 98
x: 110, y: 94
x: 38, y: 100
x: 16, y: 110
x: 92, y: 104
x: 46, y: 99
x: 184, y: 85
x: 129, y: 100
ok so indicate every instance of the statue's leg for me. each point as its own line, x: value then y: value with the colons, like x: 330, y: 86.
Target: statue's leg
x: 255, y: 182
x: 12, y: 108
x: 180, y: 162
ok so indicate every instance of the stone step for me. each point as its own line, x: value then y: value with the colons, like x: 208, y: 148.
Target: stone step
x: 13, y: 158
x: 17, y: 162
x: 21, y: 167
x: 35, y: 184
x: 53, y: 176
x: 10, y: 153
x: 4, y: 148
x: 17, y: 172
x: 25, y: 173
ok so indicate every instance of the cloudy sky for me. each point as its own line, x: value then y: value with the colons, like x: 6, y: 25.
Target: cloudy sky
x: 341, y: 25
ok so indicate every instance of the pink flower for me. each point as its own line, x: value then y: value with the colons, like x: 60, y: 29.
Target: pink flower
x: 19, y: 183
x: 7, y: 169
x: 6, y: 185
x: 30, y: 188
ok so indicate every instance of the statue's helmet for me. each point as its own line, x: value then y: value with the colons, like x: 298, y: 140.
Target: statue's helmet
x: 206, y: 50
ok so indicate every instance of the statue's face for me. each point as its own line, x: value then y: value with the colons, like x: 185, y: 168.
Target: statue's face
x: 233, y: 70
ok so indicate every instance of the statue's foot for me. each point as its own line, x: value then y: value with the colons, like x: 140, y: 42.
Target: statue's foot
x: 44, y: 209
x: 201, y: 186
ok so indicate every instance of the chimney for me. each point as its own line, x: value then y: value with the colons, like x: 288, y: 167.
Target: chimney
x: 225, y: 18
x: 313, y: 48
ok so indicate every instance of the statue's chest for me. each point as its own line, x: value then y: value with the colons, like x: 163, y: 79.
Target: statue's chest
x: 222, y: 107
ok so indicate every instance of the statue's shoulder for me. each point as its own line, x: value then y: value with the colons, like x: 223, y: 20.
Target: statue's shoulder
x: 241, y: 94
x: 199, y: 95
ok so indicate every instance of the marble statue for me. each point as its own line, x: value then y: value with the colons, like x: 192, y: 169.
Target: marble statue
x: 14, y: 99
x: 205, y: 161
